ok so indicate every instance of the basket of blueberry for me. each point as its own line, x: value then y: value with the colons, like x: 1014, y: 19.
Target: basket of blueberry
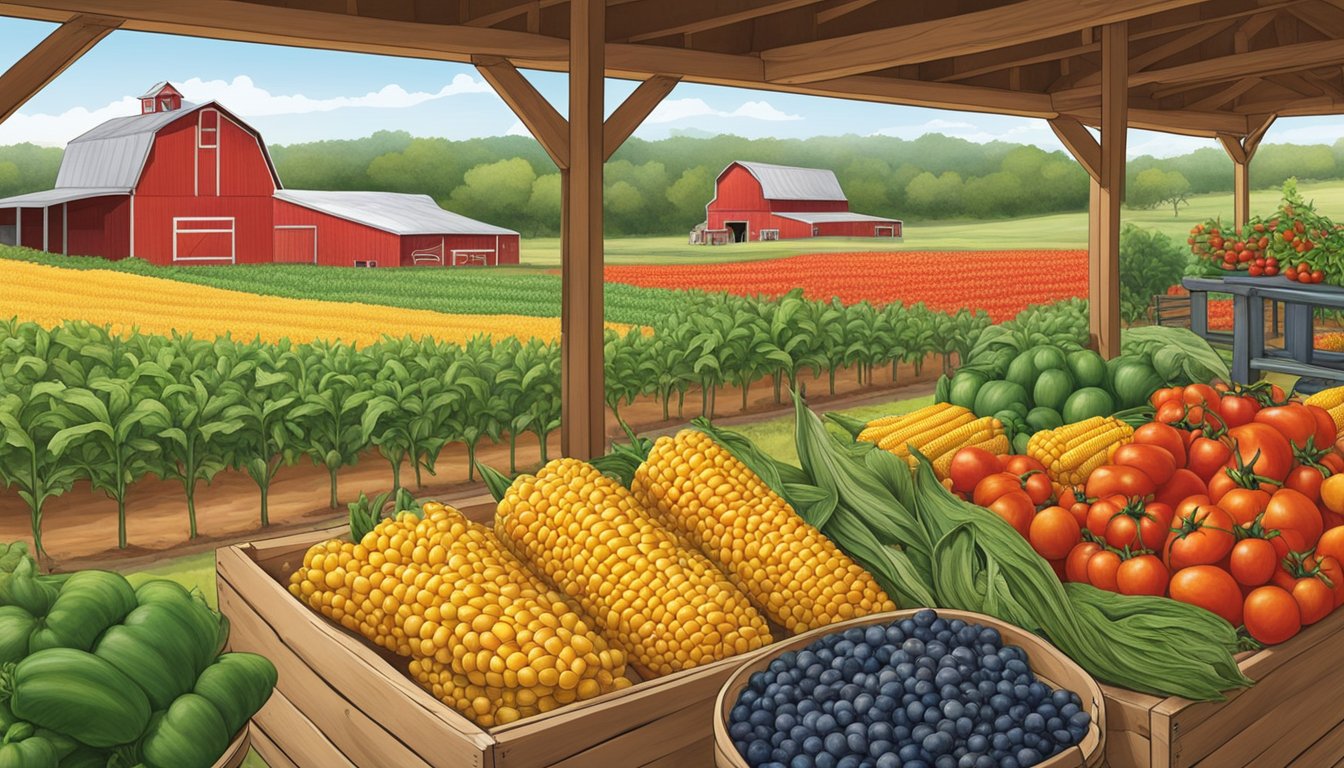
x: 911, y: 689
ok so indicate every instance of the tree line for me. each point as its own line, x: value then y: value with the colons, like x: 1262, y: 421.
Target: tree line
x: 662, y: 187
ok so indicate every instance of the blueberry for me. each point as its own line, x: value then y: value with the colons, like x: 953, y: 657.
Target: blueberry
x: 1062, y: 737
x: 909, y: 752
x: 1015, y: 736
x: 949, y: 692
x: 848, y: 761
x: 758, y: 751
x: 1009, y: 761
x: 1032, y: 740
x: 1000, y: 703
x: 1034, y: 723
x: 990, y: 636
x: 812, y: 745
x: 964, y: 727
x: 947, y: 677
x: 992, y: 663
x: 825, y: 724
x: 945, y: 761
x: 900, y: 734
x: 739, y: 730
x: 931, y: 700
x: 1026, y: 757
x: 913, y: 646
x: 877, y: 749
x: 985, y: 761
x: 1018, y: 711
x: 1000, y: 742
x: 1069, y: 710
x: 935, y: 649
x: 920, y: 732
x: 802, y: 761
x: 953, y: 708
x: 937, y: 743
x: 1080, y: 720
x: 845, y: 717
x: 884, y: 703
x: 888, y: 760
x: 835, y: 744
x: 1054, y: 724
x: 932, y: 715
x: 825, y: 760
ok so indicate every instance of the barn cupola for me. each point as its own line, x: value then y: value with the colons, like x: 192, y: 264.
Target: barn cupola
x: 163, y: 97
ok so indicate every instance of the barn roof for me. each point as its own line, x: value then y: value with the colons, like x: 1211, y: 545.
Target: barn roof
x: 785, y: 182
x: 62, y: 195
x: 832, y: 218
x: 112, y: 154
x: 156, y: 88
x: 400, y: 214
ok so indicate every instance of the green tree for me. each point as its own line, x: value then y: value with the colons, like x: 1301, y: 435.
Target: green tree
x: 495, y: 191
x: 935, y: 196
x: 1150, y: 263
x: 689, y: 195
x: 1155, y: 187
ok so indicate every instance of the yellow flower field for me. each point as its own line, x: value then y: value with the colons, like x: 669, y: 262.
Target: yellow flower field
x: 49, y: 295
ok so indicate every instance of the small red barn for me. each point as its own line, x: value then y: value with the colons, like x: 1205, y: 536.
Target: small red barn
x: 758, y: 201
x: 194, y: 184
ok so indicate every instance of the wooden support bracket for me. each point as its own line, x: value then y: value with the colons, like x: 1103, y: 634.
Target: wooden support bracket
x: 1080, y: 143
x: 546, y: 124
x: 50, y: 58
x: 634, y: 110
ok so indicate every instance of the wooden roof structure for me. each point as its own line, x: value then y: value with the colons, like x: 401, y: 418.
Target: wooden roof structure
x: 1222, y: 69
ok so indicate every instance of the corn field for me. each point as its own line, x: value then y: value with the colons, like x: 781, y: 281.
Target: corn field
x: 79, y: 402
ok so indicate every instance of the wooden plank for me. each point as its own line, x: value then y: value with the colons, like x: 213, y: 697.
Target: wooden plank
x: 633, y: 111
x: 1283, y: 58
x: 296, y: 740
x: 1104, y: 262
x: 827, y: 15
x: 1126, y: 749
x: 656, y: 739
x: 956, y: 35
x: 697, y: 753
x: 49, y: 58
x: 371, y: 684
x: 358, y: 736
x: 1080, y: 144
x: 583, y: 433
x: 267, y: 750
x: 1325, y: 751
x: 1224, y: 95
x: 964, y: 73
x: 546, y: 124
x: 652, y: 19
x: 1181, y: 121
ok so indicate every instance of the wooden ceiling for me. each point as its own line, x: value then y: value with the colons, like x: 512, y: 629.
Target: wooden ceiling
x: 1201, y: 67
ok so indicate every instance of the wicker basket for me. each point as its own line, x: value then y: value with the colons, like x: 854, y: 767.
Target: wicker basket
x: 237, y: 751
x: 1050, y: 666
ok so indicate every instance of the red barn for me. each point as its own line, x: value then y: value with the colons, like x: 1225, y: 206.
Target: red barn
x: 194, y: 184
x: 757, y: 201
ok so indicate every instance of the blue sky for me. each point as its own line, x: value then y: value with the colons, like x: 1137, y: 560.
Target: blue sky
x: 295, y: 95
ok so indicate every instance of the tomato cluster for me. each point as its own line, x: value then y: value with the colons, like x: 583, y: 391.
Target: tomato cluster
x: 1294, y: 241
x: 1229, y: 499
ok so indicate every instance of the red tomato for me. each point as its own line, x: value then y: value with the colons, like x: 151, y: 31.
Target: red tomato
x: 1139, y: 526
x: 1074, y: 501
x: 1325, y: 426
x: 1271, y: 615
x: 1201, y: 535
x: 1238, y: 410
x: 1333, y: 573
x: 1101, y: 511
x: 1155, y: 462
x: 1307, y: 481
x: 1243, y: 504
x: 1253, y: 562
x: 1016, y: 509
x: 1295, y: 517
x: 1142, y: 575
x: 1332, y: 461
x: 1113, y: 478
x: 1229, y: 480
x: 1075, y: 565
x: 1053, y: 533
x: 1183, y: 484
x: 1162, y: 436
x: 993, y: 486
x: 1331, y: 544
x: 1207, y: 456
x: 1263, y: 448
x: 1017, y: 464
x: 1170, y: 412
x: 1102, y: 570
x: 1038, y: 487
x: 1166, y: 395
x: 1210, y: 588
x: 1202, y: 394
x: 1315, y: 599
x: 1294, y: 421
x: 969, y: 466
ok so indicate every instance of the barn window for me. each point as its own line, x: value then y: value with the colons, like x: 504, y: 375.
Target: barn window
x: 884, y: 232
x: 207, y: 129
x: 146, y: 106
x: 769, y: 234
x: 203, y: 239
x: 368, y: 263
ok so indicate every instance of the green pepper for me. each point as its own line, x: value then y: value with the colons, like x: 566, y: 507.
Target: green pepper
x: 191, y: 734
x: 28, y: 752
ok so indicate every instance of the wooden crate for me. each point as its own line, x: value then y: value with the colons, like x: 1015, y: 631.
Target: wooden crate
x: 1289, y: 718
x: 341, y: 701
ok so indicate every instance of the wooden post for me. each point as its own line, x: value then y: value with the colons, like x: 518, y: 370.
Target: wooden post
x: 1103, y: 292
x: 583, y: 405
x: 1242, y: 151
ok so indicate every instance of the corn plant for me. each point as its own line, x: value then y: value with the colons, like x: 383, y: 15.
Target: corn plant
x: 267, y: 438
x: 194, y: 445
x: 29, y: 419
x: 332, y: 385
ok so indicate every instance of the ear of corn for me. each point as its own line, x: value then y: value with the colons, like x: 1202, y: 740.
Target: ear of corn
x: 483, y: 634
x: 667, y: 606
x: 885, y: 425
x: 938, y: 431
x: 1332, y: 400
x: 1072, y: 451
x: 789, y: 569
x: 993, y: 439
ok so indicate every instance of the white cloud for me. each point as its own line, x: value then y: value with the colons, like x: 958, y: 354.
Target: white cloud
x: 518, y: 129
x: 1305, y: 134
x: 672, y: 110
x: 1024, y: 132
x: 241, y: 95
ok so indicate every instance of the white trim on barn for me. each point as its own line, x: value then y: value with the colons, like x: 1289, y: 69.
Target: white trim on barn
x: 65, y: 229
x: 132, y: 218
x: 231, y: 232
x: 298, y: 226
x: 46, y: 228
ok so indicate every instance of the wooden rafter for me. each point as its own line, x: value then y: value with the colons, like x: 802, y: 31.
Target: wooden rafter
x: 1321, y: 16
x: 546, y: 124
x: 50, y: 58
x: 827, y: 15
x: 1248, y: 29
x: 634, y: 110
x: 1325, y: 84
x: 999, y: 27
x: 1170, y: 48
x: 1224, y: 95
x: 1267, y: 61
x: 652, y: 19
x: 968, y: 69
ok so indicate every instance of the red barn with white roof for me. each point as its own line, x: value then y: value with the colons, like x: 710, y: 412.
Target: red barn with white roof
x: 194, y: 184
x: 759, y: 201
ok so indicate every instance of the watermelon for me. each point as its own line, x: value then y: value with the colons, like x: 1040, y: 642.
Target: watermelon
x: 1087, y: 367
x: 965, y: 384
x: 1052, y: 389
x: 1133, y: 380
x: 1022, y: 371
x: 1086, y: 403
x: 1040, y: 418
x: 997, y: 396
x: 1048, y: 358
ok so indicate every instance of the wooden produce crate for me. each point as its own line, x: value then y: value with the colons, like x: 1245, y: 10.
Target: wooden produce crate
x: 1289, y: 718
x: 342, y: 701
x: 237, y: 750
x: 1049, y: 664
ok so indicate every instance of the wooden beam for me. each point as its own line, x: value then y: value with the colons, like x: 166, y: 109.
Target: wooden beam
x: 1248, y: 29
x: 49, y: 58
x: 1260, y: 7
x: 964, y: 73
x: 1170, y: 48
x: 501, y: 15
x: 1232, y: 146
x: 1241, y: 179
x: 1080, y: 143
x: 1224, y: 95
x: 583, y: 405
x: 1323, y: 17
x: 957, y: 35
x: 827, y: 15
x: 1283, y: 58
x: 270, y: 24
x: 652, y: 19
x: 1178, y: 121
x: 1259, y: 126
x: 1104, y: 259
x: 634, y: 110
x: 546, y: 124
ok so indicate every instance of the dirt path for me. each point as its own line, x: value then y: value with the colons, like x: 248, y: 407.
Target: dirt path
x: 80, y: 527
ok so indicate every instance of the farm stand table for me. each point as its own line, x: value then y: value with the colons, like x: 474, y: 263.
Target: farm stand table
x: 1249, y: 353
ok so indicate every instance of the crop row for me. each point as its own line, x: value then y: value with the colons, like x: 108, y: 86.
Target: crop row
x: 82, y: 403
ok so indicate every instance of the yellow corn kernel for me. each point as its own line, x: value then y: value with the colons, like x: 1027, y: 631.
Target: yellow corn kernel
x: 880, y: 427
x: 796, y: 575
x: 916, y: 430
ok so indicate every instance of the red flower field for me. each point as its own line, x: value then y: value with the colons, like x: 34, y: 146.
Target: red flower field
x: 999, y: 282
